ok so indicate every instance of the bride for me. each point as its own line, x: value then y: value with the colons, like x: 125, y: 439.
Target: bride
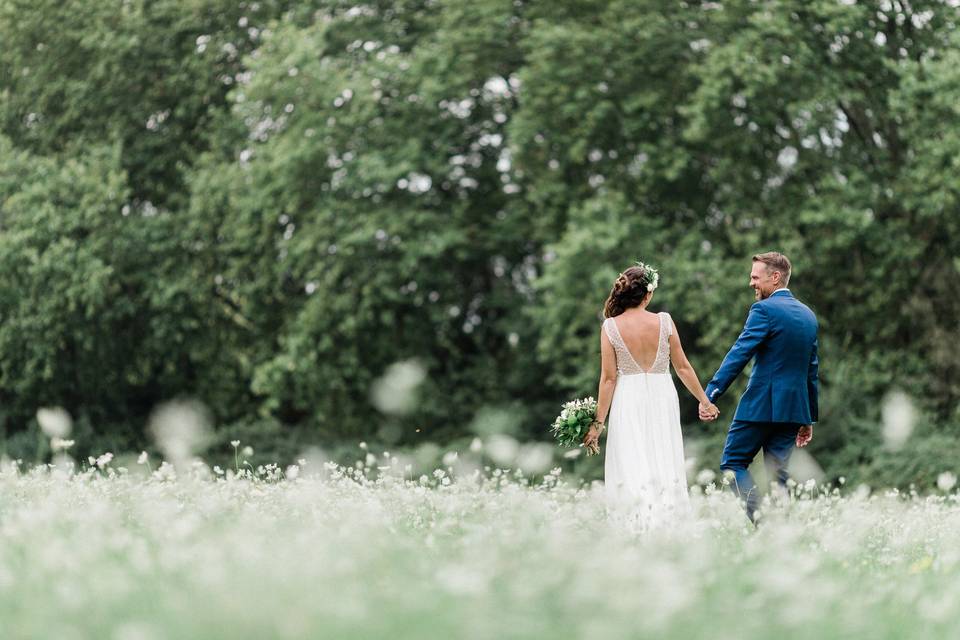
x: 644, y: 470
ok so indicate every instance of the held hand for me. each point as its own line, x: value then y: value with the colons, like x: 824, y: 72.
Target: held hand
x: 805, y: 435
x: 708, y: 411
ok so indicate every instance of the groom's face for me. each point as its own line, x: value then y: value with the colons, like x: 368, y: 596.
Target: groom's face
x: 763, y: 282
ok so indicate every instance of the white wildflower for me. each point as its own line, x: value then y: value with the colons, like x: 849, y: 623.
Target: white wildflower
x: 59, y: 444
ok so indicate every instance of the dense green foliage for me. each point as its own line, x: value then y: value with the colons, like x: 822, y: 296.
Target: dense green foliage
x: 265, y: 205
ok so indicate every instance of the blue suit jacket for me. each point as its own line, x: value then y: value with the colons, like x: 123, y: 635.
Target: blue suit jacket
x: 781, y: 332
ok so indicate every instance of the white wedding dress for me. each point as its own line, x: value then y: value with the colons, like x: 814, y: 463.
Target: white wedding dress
x: 644, y: 473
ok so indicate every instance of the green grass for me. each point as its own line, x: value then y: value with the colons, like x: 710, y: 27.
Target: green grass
x: 339, y: 555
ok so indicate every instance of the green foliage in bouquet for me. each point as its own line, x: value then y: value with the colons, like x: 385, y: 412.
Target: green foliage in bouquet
x: 571, y: 426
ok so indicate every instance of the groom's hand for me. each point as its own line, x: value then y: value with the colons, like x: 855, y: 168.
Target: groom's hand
x: 805, y: 435
x: 708, y: 411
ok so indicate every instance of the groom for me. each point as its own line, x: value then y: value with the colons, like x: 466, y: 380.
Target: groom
x: 780, y: 404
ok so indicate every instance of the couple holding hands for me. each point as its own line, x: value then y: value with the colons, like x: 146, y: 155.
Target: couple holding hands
x: 644, y: 463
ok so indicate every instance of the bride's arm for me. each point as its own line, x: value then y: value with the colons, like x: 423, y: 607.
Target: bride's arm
x: 685, y: 370
x: 608, y: 382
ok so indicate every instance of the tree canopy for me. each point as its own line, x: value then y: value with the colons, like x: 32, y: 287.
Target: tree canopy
x: 265, y: 205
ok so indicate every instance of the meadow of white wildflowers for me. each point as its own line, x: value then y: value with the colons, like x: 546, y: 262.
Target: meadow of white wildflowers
x: 363, y: 552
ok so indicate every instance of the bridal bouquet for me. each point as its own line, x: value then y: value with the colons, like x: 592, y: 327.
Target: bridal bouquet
x: 571, y: 426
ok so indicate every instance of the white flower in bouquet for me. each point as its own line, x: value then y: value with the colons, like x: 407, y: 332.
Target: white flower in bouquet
x: 573, y: 423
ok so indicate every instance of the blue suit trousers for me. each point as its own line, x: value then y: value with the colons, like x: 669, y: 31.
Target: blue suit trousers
x: 744, y: 441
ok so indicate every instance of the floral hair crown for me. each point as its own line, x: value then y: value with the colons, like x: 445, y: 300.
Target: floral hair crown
x: 652, y: 276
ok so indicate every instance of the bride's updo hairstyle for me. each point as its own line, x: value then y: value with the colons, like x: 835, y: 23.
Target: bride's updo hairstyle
x: 630, y: 289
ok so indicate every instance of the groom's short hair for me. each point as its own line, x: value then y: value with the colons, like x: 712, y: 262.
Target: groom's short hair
x: 776, y: 262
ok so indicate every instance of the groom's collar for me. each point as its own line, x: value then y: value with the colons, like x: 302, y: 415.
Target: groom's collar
x: 784, y: 290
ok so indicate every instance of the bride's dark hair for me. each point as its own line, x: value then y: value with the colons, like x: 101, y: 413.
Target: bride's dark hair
x: 630, y: 290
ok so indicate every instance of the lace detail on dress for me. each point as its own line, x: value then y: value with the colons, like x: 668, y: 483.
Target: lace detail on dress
x: 661, y: 363
x: 626, y: 365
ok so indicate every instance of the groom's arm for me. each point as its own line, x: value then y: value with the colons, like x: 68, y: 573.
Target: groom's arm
x: 813, y: 382
x: 754, y: 333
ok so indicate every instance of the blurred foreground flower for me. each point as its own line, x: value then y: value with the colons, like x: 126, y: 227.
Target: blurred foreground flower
x: 706, y: 476
x: 502, y: 449
x: 180, y: 429
x: 395, y: 392
x: 946, y: 481
x: 535, y: 458
x: 899, y: 417
x: 804, y: 466
x: 55, y: 422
